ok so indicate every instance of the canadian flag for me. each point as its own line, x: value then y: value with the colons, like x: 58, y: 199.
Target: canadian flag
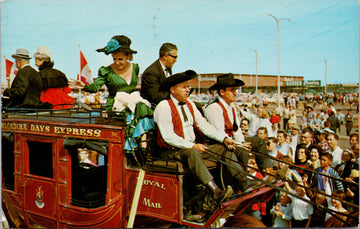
x: 10, y: 71
x: 85, y: 72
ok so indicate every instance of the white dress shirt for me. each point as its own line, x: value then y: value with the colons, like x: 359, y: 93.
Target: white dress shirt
x: 214, y: 114
x: 163, y: 119
x: 167, y: 74
x: 337, y: 153
x: 256, y: 122
x: 301, y: 209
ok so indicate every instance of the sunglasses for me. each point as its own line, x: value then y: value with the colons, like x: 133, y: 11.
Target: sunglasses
x: 175, y: 57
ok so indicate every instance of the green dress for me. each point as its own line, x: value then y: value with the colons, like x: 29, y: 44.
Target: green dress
x: 113, y: 82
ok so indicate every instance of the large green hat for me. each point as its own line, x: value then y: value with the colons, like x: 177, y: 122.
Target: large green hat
x: 119, y: 43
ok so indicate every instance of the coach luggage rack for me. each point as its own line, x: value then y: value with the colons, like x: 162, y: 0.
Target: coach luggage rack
x: 80, y: 113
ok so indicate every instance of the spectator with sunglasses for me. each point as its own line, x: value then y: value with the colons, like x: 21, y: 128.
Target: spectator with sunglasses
x: 158, y: 72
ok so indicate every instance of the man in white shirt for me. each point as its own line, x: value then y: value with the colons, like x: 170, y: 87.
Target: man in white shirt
x: 223, y: 115
x: 294, y: 136
x: 334, y: 149
x: 177, y: 120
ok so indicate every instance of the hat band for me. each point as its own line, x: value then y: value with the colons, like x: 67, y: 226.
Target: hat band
x: 21, y: 55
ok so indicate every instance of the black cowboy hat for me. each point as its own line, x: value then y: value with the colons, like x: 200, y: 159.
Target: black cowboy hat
x: 118, y: 43
x: 176, y: 79
x: 226, y: 80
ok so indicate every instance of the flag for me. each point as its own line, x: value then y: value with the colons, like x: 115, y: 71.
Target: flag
x: 85, y: 73
x: 10, y: 71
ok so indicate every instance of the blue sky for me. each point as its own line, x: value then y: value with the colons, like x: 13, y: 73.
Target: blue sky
x: 212, y: 36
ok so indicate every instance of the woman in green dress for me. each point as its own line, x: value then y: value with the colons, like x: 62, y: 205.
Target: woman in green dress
x: 120, y: 76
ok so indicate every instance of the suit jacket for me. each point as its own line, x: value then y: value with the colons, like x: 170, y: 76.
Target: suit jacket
x: 150, y: 83
x: 25, y: 89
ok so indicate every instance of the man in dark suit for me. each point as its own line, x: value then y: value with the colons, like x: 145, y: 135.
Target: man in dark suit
x: 26, y: 88
x: 156, y: 73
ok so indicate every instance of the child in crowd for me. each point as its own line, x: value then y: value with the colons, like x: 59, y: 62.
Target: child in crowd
x: 302, y: 210
x: 318, y: 217
x: 318, y: 181
x: 282, y: 211
x: 336, y: 204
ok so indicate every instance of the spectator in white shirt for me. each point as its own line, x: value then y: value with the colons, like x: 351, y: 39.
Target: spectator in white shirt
x: 335, y: 150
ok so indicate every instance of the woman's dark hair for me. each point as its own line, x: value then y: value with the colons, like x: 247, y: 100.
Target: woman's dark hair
x: 47, y: 64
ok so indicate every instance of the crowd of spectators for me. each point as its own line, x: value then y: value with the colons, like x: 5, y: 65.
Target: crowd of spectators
x: 318, y: 173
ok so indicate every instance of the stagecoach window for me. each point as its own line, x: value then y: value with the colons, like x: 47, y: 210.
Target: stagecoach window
x: 7, y: 160
x: 40, y: 158
x: 88, y: 171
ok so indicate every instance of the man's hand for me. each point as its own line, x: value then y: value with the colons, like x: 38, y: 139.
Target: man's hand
x: 247, y: 145
x: 230, y: 143
x: 202, y: 148
x: 76, y: 84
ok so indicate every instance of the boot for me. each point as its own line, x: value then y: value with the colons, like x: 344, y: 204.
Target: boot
x: 221, y: 195
x: 252, y: 185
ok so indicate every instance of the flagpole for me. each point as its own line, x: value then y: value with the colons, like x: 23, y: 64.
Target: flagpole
x: 6, y: 78
x: 79, y: 76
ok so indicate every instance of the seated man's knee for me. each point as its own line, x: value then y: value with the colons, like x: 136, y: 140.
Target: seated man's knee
x: 191, y: 153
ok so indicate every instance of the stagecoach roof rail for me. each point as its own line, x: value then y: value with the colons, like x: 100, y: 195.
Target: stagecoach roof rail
x: 77, y: 114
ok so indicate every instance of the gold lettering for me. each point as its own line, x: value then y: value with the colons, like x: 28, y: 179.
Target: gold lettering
x: 82, y: 132
x: 56, y: 130
x: 14, y: 126
x: 76, y: 131
x: 59, y: 130
x: 97, y: 133
x: 149, y: 203
x: 68, y: 130
x: 89, y: 132
x: 154, y: 184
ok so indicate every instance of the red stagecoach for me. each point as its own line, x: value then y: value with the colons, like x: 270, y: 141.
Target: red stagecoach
x: 45, y: 183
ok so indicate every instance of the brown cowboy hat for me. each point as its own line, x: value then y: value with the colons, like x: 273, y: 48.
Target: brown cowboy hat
x: 226, y: 80
x: 176, y: 79
x: 118, y: 43
x: 21, y: 53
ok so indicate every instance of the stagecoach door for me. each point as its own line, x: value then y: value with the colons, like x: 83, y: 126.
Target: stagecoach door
x: 40, y: 192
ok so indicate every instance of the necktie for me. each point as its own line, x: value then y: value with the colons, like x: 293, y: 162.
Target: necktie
x: 183, y: 111
x: 167, y: 72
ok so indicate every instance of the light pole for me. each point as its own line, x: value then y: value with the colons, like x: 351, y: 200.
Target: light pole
x: 325, y: 60
x: 278, y: 29
x: 256, y: 52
